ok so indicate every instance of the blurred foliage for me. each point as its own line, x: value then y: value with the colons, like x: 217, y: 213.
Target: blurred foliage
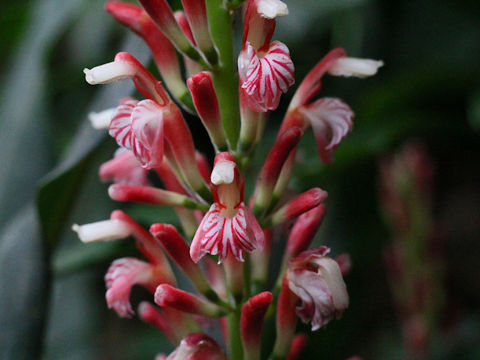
x: 428, y: 90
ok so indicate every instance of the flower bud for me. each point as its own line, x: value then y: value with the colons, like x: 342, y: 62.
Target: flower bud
x: 206, y: 104
x: 167, y: 295
x: 124, y: 168
x: 298, y: 205
x: 101, y: 120
x: 251, y: 323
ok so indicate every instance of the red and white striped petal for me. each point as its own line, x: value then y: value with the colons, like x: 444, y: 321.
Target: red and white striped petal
x: 264, y: 76
x: 121, y: 124
x: 331, y: 120
x: 147, y: 133
x: 219, y: 234
x: 119, y: 279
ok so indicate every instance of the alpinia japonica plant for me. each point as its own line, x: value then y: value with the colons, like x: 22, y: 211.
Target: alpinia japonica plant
x: 225, y: 244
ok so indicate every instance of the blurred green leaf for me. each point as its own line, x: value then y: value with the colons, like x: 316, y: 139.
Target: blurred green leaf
x: 23, y: 114
x: 24, y: 284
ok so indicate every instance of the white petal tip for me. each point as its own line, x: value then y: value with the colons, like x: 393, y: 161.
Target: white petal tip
x: 106, y: 73
x: 101, y: 231
x: 271, y: 9
x: 357, y: 67
x: 223, y: 173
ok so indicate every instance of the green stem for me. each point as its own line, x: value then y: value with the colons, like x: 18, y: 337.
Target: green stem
x: 224, y: 75
x: 234, y: 338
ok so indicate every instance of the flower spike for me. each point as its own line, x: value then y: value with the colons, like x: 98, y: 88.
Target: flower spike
x: 228, y: 226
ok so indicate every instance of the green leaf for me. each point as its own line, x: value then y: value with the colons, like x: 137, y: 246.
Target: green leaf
x: 24, y: 280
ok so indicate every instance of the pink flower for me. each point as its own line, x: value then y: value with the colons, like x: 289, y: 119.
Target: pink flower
x: 122, y: 275
x: 197, y: 346
x: 229, y: 226
x: 265, y: 68
x: 317, y: 280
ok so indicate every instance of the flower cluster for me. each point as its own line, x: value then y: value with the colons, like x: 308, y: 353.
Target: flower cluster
x: 224, y: 243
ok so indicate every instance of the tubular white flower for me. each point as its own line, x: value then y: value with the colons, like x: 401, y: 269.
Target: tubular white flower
x: 102, y: 231
x: 349, y: 66
x: 270, y: 9
x: 101, y: 120
x: 107, y: 73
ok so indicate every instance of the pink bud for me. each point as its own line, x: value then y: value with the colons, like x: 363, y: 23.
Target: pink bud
x: 298, y: 205
x: 286, y: 320
x: 162, y: 15
x: 196, y: 13
x: 151, y: 195
x: 273, y: 165
x: 206, y: 104
x: 298, y: 345
x: 167, y: 295
x: 178, y: 250
x: 251, y: 323
x: 303, y: 231
x: 122, y: 275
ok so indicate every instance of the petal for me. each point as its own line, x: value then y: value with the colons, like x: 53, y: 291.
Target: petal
x: 331, y: 120
x: 124, y: 168
x: 119, y: 279
x: 147, y: 133
x: 265, y: 77
x: 219, y: 235
x: 121, y: 124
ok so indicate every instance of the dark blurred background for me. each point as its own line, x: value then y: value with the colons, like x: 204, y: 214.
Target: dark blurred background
x: 51, y: 286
